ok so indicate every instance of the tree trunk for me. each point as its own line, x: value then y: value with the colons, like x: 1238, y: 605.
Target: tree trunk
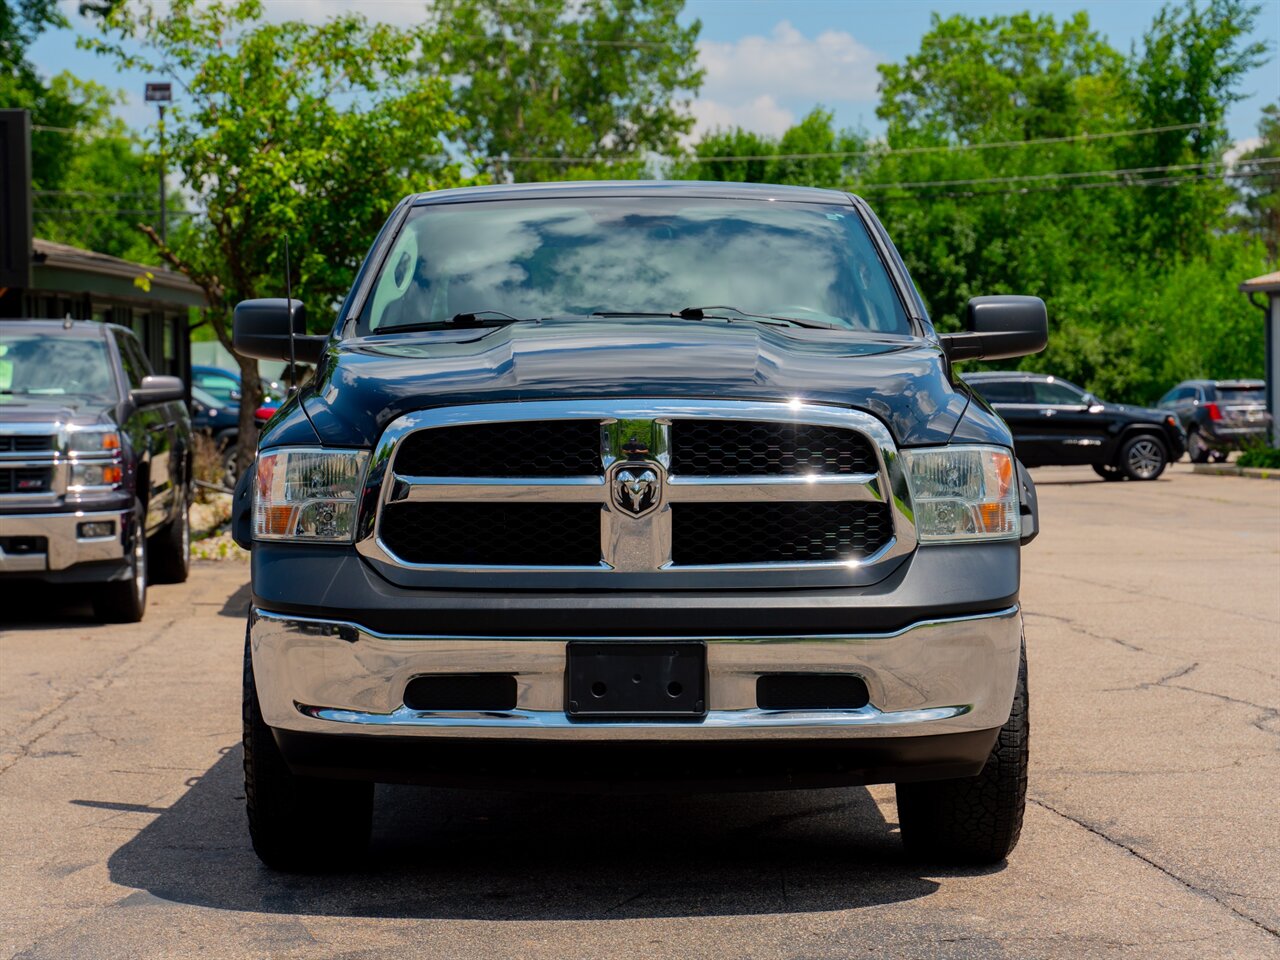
x: 250, y: 400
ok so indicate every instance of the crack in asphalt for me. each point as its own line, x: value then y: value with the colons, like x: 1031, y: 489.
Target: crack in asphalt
x: 24, y: 749
x: 1201, y: 891
x: 1076, y: 626
x: 1146, y: 594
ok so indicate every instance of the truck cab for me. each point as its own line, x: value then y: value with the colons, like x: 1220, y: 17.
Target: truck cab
x: 635, y: 485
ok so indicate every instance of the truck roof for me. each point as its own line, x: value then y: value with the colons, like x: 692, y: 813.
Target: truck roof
x: 60, y: 328
x: 634, y: 188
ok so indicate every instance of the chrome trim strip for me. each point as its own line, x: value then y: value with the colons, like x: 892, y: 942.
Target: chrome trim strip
x: 65, y: 548
x: 640, y: 547
x: 935, y: 676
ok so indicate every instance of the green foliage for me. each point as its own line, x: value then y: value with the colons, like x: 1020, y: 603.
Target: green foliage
x: 100, y: 171
x: 808, y: 154
x: 596, y: 79
x: 1137, y: 269
x: 1260, y: 182
x: 1266, y: 458
x: 294, y: 131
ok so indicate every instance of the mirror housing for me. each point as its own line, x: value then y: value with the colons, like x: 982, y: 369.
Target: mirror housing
x: 260, y: 328
x: 158, y: 389
x: 999, y: 328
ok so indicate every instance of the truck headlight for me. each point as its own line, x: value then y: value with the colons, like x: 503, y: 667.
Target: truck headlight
x: 105, y: 440
x: 963, y: 493
x: 306, y: 493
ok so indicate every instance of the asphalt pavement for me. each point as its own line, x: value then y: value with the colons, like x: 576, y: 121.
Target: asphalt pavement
x: 1153, y: 828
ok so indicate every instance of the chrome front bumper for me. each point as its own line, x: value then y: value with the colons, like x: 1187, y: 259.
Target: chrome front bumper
x: 934, y: 677
x: 65, y: 547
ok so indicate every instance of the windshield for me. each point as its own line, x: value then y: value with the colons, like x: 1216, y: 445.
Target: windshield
x: 542, y: 258
x: 39, y: 365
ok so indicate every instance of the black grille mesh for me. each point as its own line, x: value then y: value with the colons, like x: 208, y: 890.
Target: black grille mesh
x: 488, y: 534
x: 539, y: 448
x: 777, y: 532
x: 25, y: 444
x: 722, y: 448
x: 24, y: 479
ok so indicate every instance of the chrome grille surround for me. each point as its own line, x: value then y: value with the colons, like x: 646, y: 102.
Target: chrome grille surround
x: 636, y: 550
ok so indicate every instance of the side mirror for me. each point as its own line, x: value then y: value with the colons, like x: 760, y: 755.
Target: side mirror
x: 999, y: 328
x: 158, y: 389
x: 260, y: 328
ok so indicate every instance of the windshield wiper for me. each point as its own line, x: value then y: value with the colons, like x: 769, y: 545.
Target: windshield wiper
x: 709, y: 313
x: 475, y: 318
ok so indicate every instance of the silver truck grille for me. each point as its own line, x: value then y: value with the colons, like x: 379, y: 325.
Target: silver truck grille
x: 635, y: 487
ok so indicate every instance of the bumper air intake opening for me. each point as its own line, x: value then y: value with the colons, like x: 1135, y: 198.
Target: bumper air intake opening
x: 811, y: 691
x: 461, y: 691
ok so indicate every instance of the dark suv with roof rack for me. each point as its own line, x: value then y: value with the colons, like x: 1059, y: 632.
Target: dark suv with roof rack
x: 633, y: 484
x: 1220, y: 415
x: 1056, y: 423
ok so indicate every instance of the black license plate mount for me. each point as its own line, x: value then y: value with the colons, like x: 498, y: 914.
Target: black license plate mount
x: 636, y: 681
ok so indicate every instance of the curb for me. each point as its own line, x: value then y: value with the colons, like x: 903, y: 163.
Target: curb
x: 1231, y: 470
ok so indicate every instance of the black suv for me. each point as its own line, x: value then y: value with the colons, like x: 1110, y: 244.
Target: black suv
x: 95, y: 464
x: 1057, y: 423
x: 630, y: 484
x: 1220, y: 415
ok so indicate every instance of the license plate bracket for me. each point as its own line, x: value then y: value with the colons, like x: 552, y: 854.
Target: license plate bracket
x: 636, y: 681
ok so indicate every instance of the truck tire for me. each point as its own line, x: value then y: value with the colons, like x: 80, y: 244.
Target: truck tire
x: 973, y: 820
x: 1143, y: 457
x: 125, y: 601
x: 297, y: 823
x: 170, y: 549
x: 1197, y: 450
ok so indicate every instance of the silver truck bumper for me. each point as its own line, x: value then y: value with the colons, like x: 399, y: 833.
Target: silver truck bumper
x: 64, y: 544
x: 934, y: 677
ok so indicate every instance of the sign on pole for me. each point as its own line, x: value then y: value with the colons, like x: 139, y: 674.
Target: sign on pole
x: 159, y: 92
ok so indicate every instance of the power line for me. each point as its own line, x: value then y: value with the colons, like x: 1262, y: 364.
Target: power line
x: 1166, y: 182
x: 1031, y: 177
x: 883, y: 152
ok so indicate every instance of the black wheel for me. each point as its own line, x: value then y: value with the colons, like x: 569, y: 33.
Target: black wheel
x: 1219, y: 456
x: 170, y: 549
x: 1107, y: 472
x: 978, y: 819
x: 125, y: 601
x: 1143, y: 457
x: 1196, y: 449
x: 298, y: 823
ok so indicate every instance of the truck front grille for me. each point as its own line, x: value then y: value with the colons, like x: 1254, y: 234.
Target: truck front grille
x: 729, y: 533
x: 729, y: 448
x: 25, y: 479
x: 637, y: 487
x: 494, y: 534
x: 26, y: 443
x: 546, y: 448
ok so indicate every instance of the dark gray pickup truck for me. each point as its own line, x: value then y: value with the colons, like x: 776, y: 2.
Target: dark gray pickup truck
x: 635, y: 485
x: 95, y: 464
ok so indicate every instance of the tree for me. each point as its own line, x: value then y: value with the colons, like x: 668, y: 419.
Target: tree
x: 91, y: 197
x: 811, y: 153
x: 603, y: 80
x: 1187, y: 74
x: 1259, y: 173
x: 289, y: 130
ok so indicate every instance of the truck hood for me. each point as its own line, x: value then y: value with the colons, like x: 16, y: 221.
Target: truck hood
x: 44, y: 409
x: 365, y: 383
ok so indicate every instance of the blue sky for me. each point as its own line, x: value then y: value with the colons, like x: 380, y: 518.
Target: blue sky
x: 768, y: 61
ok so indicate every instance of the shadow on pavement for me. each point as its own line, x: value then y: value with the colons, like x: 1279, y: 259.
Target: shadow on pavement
x: 237, y: 605
x: 483, y: 855
x: 29, y: 603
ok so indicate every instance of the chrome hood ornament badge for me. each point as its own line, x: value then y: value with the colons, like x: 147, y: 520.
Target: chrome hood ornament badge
x: 636, y: 489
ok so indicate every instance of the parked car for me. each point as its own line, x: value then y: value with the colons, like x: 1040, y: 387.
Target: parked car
x: 95, y: 464
x: 544, y: 519
x: 1220, y: 415
x: 224, y: 386
x: 222, y: 424
x: 1054, y: 422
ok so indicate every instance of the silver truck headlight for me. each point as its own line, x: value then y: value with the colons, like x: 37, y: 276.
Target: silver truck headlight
x: 307, y: 493
x: 963, y: 493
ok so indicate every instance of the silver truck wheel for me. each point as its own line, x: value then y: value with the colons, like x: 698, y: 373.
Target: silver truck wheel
x: 1143, y: 458
x: 125, y: 601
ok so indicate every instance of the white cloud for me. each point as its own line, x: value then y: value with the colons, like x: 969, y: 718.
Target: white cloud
x: 1239, y: 148
x: 750, y: 81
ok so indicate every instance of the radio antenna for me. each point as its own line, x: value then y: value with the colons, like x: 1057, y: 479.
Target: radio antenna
x: 288, y: 310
